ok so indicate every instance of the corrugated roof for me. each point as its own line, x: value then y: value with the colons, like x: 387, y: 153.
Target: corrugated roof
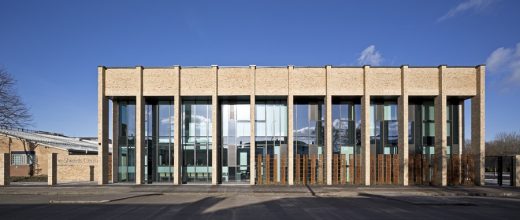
x: 52, y: 140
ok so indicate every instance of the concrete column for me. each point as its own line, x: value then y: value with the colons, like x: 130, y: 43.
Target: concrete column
x: 458, y: 150
x: 440, y: 134
x: 290, y: 128
x: 102, y: 129
x: 52, y: 166
x: 478, y: 126
x: 214, y: 129
x: 460, y: 128
x: 139, y: 130
x: 115, y: 141
x: 365, y: 139
x: 403, y: 129
x: 365, y: 132
x: 177, y: 146
x: 290, y: 138
x: 328, y: 130
x: 252, y: 105
x: 517, y: 171
x: 328, y: 137
x: 5, y: 162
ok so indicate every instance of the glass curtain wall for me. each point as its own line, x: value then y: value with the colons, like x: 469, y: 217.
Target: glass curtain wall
x: 196, y: 140
x: 235, y: 141
x: 453, y: 146
x: 271, y: 142
x: 383, y: 141
x: 309, y: 143
x: 159, y: 132
x: 346, y: 142
x: 126, y: 141
x: 421, y: 140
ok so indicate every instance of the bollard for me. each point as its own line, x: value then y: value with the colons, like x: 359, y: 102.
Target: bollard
x: 52, y: 176
x: 5, y: 163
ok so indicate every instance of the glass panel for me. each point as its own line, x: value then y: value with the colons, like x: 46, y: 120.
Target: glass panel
x: 384, y: 141
x: 345, y: 141
x: 196, y: 141
x: 159, y: 119
x: 235, y: 142
x: 309, y: 142
x: 421, y: 151
x: 271, y: 146
x: 126, y: 143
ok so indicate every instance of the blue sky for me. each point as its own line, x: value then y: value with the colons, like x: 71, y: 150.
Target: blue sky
x: 53, y: 47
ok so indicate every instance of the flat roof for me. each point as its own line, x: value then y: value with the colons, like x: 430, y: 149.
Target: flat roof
x: 340, y: 66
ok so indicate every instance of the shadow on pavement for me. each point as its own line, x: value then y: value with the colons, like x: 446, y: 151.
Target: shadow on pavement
x: 215, y: 207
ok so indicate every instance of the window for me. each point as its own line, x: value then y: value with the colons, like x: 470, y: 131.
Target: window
x: 196, y: 140
x: 126, y: 141
x: 309, y: 144
x: 235, y: 141
x: 271, y: 141
x: 23, y: 158
x: 346, y: 140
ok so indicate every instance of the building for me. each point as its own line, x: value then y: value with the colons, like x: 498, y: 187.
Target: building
x: 30, y: 151
x: 291, y: 125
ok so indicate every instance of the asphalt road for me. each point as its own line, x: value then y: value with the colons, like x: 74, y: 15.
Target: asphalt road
x: 263, y: 206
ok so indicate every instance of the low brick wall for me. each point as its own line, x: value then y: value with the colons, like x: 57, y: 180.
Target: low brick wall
x: 71, y: 168
x: 76, y: 168
x: 20, y: 170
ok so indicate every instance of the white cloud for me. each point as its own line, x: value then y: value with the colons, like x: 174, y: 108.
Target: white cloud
x: 498, y: 58
x: 474, y: 5
x: 370, y: 56
x: 506, y: 62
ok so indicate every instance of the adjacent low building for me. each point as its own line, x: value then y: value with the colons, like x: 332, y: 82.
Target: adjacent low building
x: 30, y: 151
x: 331, y: 125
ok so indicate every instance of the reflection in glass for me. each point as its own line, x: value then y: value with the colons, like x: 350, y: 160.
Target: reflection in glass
x: 309, y: 148
x: 421, y: 141
x: 126, y: 141
x: 346, y: 141
x: 384, y: 139
x: 196, y: 140
x: 159, y: 133
x: 271, y: 141
x: 235, y: 141
x: 453, y: 148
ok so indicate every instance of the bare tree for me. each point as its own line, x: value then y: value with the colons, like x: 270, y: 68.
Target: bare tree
x: 504, y: 144
x: 13, y: 112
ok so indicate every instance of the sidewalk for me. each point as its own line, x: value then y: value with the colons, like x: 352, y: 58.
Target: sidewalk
x: 323, y: 191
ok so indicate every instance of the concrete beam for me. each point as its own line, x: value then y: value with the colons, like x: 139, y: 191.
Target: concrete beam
x: 403, y: 130
x: 252, y: 141
x: 290, y: 121
x: 214, y: 133
x: 365, y: 131
x: 177, y: 146
x: 139, y: 130
x: 440, y: 149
